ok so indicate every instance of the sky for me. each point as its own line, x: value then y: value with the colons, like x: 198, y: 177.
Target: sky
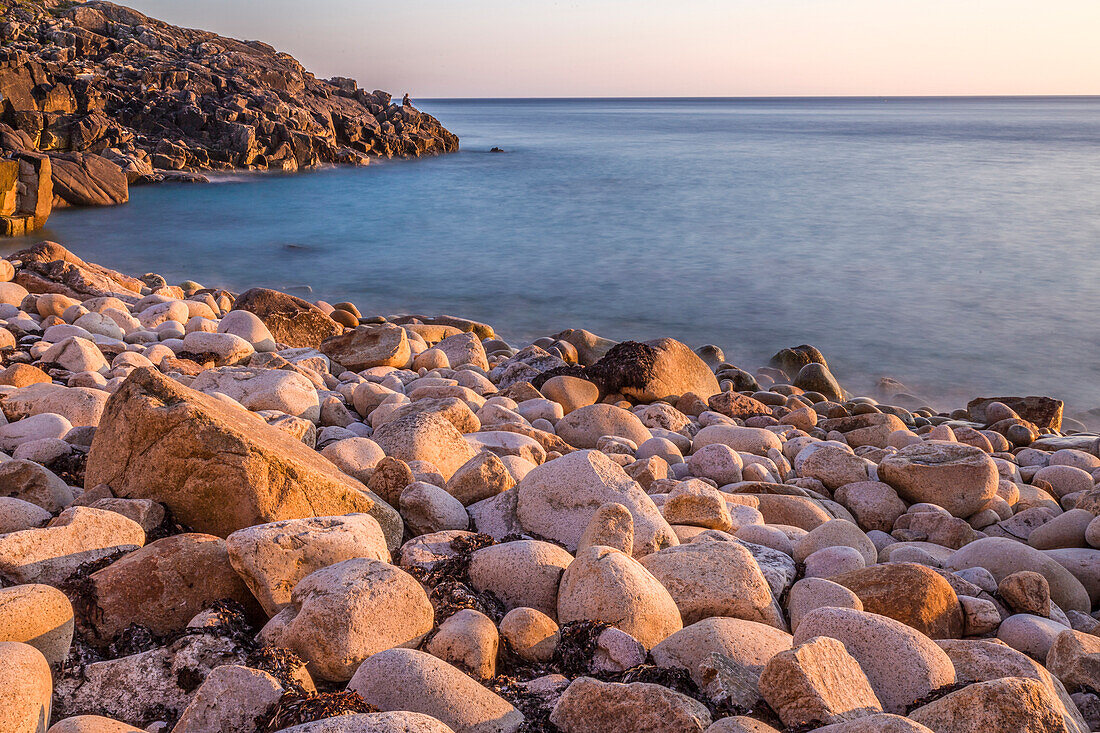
x: 673, y: 48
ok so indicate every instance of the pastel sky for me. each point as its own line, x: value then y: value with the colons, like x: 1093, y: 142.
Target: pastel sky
x: 537, y: 48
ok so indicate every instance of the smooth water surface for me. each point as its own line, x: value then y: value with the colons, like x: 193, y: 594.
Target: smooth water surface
x: 953, y: 244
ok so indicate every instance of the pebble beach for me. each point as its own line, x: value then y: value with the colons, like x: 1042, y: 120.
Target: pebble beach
x: 236, y: 512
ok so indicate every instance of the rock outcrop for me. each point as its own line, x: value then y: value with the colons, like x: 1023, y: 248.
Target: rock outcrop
x: 96, y: 96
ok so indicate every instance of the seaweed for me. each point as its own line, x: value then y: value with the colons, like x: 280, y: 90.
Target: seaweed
x: 282, y: 664
x: 451, y: 596
x: 536, y: 708
x: 295, y: 708
x: 576, y: 645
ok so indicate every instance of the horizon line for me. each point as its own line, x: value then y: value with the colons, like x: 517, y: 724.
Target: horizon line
x: 762, y: 97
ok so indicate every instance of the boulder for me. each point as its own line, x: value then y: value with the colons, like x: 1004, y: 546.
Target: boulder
x: 25, y: 689
x: 468, y: 640
x: 524, y: 573
x: 369, y: 346
x: 715, y: 578
x: 263, y: 389
x: 231, y: 699
x: 748, y: 643
x: 40, y: 616
x: 817, y: 682
x: 1074, y: 658
x: 1002, y: 557
x: 910, y: 593
x: 558, y: 499
x: 86, y: 179
x: 1044, y: 412
x: 77, y: 536
x: 30, y: 482
x: 272, y: 558
x: 291, y: 320
x: 584, y: 426
x: 902, y: 664
x: 164, y: 584
x: 91, y: 724
x: 217, y: 467
x: 1008, y: 704
x: 958, y: 477
x: 342, y: 614
x: 603, y: 584
x: 425, y: 437
x: 591, y: 706
x: 410, y: 680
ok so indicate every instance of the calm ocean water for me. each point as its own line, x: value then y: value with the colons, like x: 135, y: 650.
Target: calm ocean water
x: 953, y: 244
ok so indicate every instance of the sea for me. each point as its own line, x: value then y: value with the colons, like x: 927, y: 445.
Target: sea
x: 952, y: 244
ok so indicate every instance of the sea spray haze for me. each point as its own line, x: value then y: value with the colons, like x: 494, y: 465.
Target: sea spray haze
x: 949, y: 243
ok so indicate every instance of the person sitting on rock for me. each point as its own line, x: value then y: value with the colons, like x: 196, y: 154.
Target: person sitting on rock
x: 405, y: 102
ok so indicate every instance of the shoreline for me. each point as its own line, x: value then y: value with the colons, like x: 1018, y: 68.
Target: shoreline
x: 317, y: 511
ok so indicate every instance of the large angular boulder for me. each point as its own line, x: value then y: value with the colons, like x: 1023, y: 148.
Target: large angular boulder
x: 1045, y: 412
x: 1012, y: 704
x: 591, y: 706
x: 558, y: 499
x: 291, y: 320
x: 653, y: 370
x: 50, y: 268
x: 217, y: 467
x: 86, y: 179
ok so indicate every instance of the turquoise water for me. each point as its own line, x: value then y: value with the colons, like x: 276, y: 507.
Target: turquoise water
x: 953, y: 244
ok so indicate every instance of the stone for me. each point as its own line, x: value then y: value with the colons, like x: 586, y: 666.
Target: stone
x: 290, y: 320
x: 357, y: 457
x: 982, y: 617
x: 248, y: 326
x: 468, y: 640
x: 874, y: 504
x: 226, y: 348
x: 902, y: 664
x: 715, y: 579
x: 1074, y: 658
x: 369, y: 346
x: 1002, y: 557
x: 272, y: 558
x: 411, y: 680
x: 748, y: 643
x: 77, y: 536
x: 718, y: 462
x: 612, y: 526
x: 558, y: 499
x: 1032, y: 635
x: 76, y: 355
x: 146, y: 687
x: 40, y: 616
x: 1043, y: 411
x: 1026, y: 592
x: 583, y: 427
x: 464, y: 348
x: 912, y: 594
x: 809, y: 594
x: 737, y: 405
x: 654, y: 370
x: 346, y: 612
x: 155, y: 431
x: 816, y: 377
x: 35, y: 427
x: 91, y: 724
x: 817, y: 682
x: 603, y: 584
x: 23, y: 375
x: 86, y: 179
x: 749, y: 440
x: 960, y: 478
x: 16, y: 515
x: 263, y: 389
x: 882, y: 723
x: 530, y: 633
x: 1008, y: 704
x: 571, y: 393
x: 831, y: 465
x: 393, y: 722
x: 482, y: 476
x: 834, y: 533
x: 164, y: 584
x: 231, y: 699
x: 425, y: 437
x: 427, y: 508
x: 740, y: 724
x: 25, y: 689
x: 697, y: 504
x: 523, y: 573
x: 30, y: 482
x: 78, y: 405
x: 591, y: 706
x: 1083, y: 564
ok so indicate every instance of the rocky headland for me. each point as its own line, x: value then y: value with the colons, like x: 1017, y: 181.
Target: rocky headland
x: 245, y: 513
x: 95, y: 97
